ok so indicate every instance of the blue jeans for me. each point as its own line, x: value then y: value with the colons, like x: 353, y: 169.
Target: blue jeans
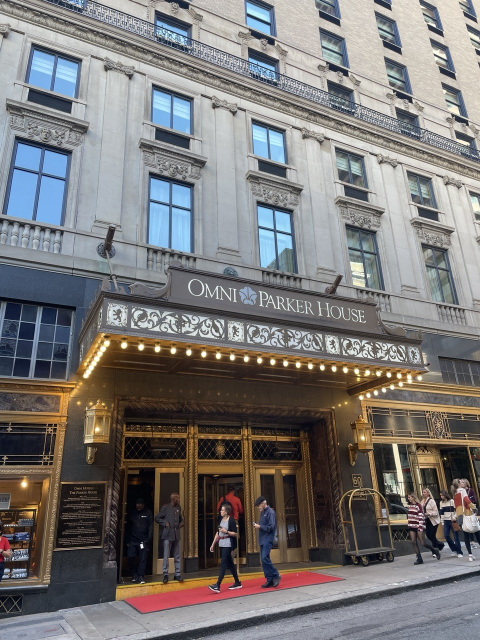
x: 268, y: 569
x: 447, y: 532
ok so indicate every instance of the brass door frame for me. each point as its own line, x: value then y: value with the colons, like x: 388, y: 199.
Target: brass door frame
x: 430, y: 460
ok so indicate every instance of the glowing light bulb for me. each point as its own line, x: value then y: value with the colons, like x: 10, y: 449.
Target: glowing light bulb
x: 124, y: 344
x: 246, y: 357
x: 400, y: 384
x: 310, y: 365
x: 203, y: 353
x: 399, y: 375
x: 173, y: 349
x: 360, y: 397
x: 86, y: 374
x: 141, y: 346
x: 157, y: 348
x: 409, y: 376
x: 188, y: 352
x: 367, y: 372
x: 375, y: 393
x: 334, y: 367
x: 378, y: 373
x: 389, y: 374
x: 232, y: 356
x: 345, y: 369
x: 96, y: 359
x: 419, y: 378
x: 356, y: 371
x: 285, y: 363
x: 103, y: 348
x: 259, y: 359
x: 218, y: 355
x: 384, y: 390
x: 106, y: 342
x: 24, y: 483
x: 369, y: 395
x: 272, y: 361
x: 298, y: 364
x: 99, y: 353
x: 322, y: 367
x: 392, y: 387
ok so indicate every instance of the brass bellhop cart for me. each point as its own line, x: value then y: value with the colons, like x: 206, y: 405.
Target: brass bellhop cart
x: 382, y: 517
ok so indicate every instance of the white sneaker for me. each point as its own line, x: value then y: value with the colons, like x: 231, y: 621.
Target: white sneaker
x: 474, y: 546
x: 459, y: 555
x: 433, y: 555
x: 471, y: 557
x: 453, y: 554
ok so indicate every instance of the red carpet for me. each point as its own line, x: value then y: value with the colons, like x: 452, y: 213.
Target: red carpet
x: 201, y: 595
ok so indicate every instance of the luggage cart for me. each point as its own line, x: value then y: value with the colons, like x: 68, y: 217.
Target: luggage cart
x: 363, y: 556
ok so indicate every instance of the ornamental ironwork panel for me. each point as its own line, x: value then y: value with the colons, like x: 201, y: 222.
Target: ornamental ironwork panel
x: 209, y: 449
x: 141, y: 449
x: 231, y: 431
x: 438, y: 426
x: 11, y: 604
x: 155, y: 428
x: 201, y: 51
x: 401, y: 535
x: 271, y: 431
x: 27, y: 444
x: 271, y: 451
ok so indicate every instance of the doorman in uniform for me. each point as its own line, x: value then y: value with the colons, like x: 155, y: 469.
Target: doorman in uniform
x: 266, y: 533
x: 141, y: 534
x: 170, y: 518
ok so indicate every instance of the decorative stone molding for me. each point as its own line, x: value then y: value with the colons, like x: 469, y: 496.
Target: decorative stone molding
x: 431, y: 232
x: 392, y: 98
x: 39, y: 124
x: 418, y: 106
x: 355, y: 80
x: 172, y: 161
x: 451, y: 123
x: 263, y: 44
x: 324, y: 68
x: 197, y: 17
x: 110, y: 65
x: 449, y: 180
x: 283, y: 53
x: 319, y: 137
x: 223, y: 104
x: 340, y: 76
x: 358, y: 213
x: 274, y: 190
x: 244, y: 36
x: 387, y: 160
x: 77, y: 26
x: 175, y: 7
x: 4, y: 30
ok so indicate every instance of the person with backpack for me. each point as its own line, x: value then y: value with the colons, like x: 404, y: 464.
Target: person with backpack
x: 231, y: 499
x: 226, y: 538
x: 416, y: 527
x: 432, y: 518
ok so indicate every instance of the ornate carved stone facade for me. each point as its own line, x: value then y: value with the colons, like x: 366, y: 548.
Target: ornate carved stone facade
x: 360, y: 214
x: 110, y: 65
x: 432, y: 232
x: 172, y: 161
x: 273, y: 190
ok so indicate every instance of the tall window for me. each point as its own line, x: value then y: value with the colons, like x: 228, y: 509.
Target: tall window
x: 466, y: 141
x: 172, y: 30
x: 474, y: 37
x: 408, y: 123
x: 387, y: 30
x: 340, y: 97
x: 275, y: 234
x: 467, y: 7
x: 172, y: 111
x: 262, y: 67
x: 330, y: 7
x: 351, y: 169
x: 475, y: 200
x: 454, y: 100
x: 268, y: 143
x: 53, y: 72
x: 442, y: 56
x: 364, y: 261
x: 439, y: 275
x: 393, y: 469
x: 37, y: 183
x: 260, y: 16
x: 398, y: 76
x: 34, y: 340
x: 333, y: 48
x: 170, y: 215
x: 464, y: 372
x: 421, y: 190
x: 431, y: 15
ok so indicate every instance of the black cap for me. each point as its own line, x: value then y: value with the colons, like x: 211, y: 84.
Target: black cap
x: 260, y: 500
x: 139, y: 501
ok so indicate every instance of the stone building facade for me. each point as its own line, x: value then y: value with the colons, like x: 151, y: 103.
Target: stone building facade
x: 244, y: 161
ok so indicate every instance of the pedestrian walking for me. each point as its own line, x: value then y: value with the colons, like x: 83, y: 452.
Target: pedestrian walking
x: 170, y: 518
x: 141, y: 532
x: 266, y: 526
x: 450, y: 524
x: 432, y: 518
x: 464, y: 507
x: 465, y: 484
x: 416, y: 527
x: 226, y: 537
x: 231, y: 499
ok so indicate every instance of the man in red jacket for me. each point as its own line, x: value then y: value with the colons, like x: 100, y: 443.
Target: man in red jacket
x: 237, y: 507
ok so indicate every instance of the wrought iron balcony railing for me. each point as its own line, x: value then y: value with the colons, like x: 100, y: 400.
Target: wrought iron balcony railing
x: 150, y: 31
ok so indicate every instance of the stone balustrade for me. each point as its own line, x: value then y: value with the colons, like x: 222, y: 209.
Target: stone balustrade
x: 382, y: 300
x: 281, y: 278
x: 160, y: 259
x: 30, y: 235
x: 453, y: 315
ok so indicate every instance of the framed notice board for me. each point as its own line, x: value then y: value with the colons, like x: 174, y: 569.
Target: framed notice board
x: 81, y: 515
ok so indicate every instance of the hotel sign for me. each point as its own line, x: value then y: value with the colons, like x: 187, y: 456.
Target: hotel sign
x: 231, y: 295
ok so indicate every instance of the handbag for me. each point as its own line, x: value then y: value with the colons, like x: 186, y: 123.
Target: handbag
x: 454, y: 523
x: 470, y: 524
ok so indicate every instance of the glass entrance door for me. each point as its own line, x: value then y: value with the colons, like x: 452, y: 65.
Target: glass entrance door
x: 281, y: 489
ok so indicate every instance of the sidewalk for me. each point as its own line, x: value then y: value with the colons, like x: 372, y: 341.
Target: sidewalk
x: 119, y: 621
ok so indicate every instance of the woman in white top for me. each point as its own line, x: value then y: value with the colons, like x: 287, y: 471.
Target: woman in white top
x: 432, y: 518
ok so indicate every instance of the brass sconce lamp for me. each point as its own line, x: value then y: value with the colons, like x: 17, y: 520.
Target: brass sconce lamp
x: 98, y: 420
x: 362, y: 439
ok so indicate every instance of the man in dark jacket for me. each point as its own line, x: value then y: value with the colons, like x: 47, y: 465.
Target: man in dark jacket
x: 266, y: 533
x: 141, y: 521
x: 170, y: 518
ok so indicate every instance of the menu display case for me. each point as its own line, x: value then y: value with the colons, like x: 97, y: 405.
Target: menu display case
x: 19, y: 527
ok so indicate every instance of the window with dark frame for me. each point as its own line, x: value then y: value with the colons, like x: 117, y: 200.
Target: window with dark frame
x: 387, y: 30
x: 171, y: 111
x: 439, y: 275
x: 53, y: 72
x: 474, y: 37
x: 442, y: 56
x: 329, y: 7
x: 260, y: 16
x: 454, y: 100
x: 172, y: 30
x: 170, y: 222
x: 340, y: 97
x: 397, y: 75
x: 408, y: 123
x: 262, y: 67
x: 364, y: 260
x: 34, y: 340
x: 462, y: 372
x: 37, y: 183
x: 334, y: 49
x: 431, y: 15
x: 466, y: 141
x: 421, y: 190
x: 268, y: 142
x: 276, y: 241
x: 467, y: 7
x: 351, y: 169
x: 475, y: 201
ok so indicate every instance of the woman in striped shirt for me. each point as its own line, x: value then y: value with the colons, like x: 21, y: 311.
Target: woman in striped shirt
x: 416, y: 527
x: 448, y: 517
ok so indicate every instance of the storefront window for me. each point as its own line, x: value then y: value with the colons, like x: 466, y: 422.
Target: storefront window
x: 394, y: 478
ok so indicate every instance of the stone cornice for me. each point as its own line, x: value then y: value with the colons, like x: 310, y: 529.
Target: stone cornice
x: 359, y: 213
x: 40, y: 123
x: 110, y: 65
x: 128, y: 44
x: 274, y: 190
x: 431, y: 232
x: 173, y: 161
x: 217, y: 103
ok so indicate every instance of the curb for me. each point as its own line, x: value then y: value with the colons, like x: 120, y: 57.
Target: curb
x: 283, y: 612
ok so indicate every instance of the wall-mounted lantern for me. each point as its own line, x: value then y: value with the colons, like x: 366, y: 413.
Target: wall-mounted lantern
x: 362, y: 439
x: 98, y: 420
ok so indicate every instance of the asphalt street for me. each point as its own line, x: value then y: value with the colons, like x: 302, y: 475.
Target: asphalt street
x: 448, y: 612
